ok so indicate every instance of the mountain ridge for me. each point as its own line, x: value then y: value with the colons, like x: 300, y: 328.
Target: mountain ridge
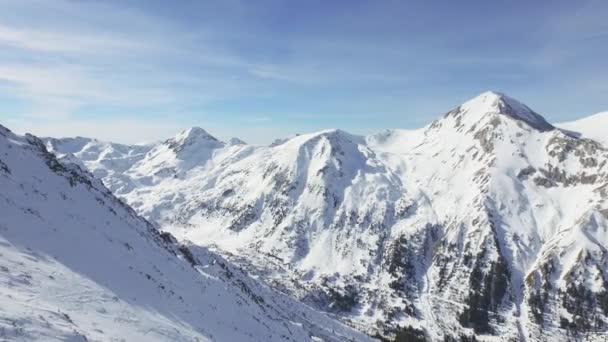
x: 465, y: 227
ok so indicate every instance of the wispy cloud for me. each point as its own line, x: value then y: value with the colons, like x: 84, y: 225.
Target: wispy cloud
x: 61, y: 67
x: 83, y: 64
x: 66, y: 42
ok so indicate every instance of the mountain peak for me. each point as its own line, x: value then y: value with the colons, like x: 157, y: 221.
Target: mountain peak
x: 499, y: 103
x: 236, y: 141
x: 492, y: 101
x: 194, y: 133
x: 193, y: 136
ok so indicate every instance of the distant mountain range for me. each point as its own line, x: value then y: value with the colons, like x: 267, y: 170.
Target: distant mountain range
x: 490, y: 224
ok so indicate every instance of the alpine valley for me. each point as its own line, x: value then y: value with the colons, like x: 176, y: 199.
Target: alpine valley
x: 489, y: 224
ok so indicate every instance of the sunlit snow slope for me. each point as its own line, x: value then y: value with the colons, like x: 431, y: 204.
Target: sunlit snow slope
x: 592, y: 127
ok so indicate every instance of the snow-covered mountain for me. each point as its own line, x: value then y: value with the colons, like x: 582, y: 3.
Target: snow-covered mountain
x: 592, y: 127
x: 489, y: 221
x: 77, y: 264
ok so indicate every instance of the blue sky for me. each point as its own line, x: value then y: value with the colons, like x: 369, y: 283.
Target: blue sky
x: 133, y: 71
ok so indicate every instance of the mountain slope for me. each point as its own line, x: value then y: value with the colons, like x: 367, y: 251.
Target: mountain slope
x: 591, y: 127
x: 77, y: 264
x: 488, y: 222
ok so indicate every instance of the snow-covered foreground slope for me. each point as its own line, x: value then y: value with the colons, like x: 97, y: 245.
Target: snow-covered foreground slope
x: 592, y: 127
x: 76, y: 264
x: 488, y: 222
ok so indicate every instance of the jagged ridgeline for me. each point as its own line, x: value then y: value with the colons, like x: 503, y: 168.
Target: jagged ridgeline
x: 488, y: 223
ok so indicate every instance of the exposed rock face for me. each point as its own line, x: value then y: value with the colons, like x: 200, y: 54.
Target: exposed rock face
x: 489, y: 221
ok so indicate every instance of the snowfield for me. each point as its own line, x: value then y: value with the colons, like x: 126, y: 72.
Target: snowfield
x: 592, y: 127
x: 489, y: 222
